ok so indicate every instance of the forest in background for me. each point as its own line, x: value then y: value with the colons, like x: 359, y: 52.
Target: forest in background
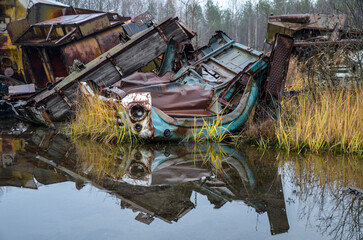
x: 243, y: 20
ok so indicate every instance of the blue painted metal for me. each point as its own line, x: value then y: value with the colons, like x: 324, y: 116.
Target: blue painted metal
x: 230, y: 125
x: 214, y: 53
x: 169, y: 56
x: 229, y: 57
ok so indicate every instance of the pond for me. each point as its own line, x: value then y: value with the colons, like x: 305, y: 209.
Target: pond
x: 52, y: 188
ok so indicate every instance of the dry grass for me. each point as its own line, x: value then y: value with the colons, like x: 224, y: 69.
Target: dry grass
x: 325, y: 120
x: 210, y: 131
x: 102, y: 121
x: 325, y: 114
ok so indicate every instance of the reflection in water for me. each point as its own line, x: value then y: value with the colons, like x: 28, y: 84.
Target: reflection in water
x: 164, y: 181
x: 159, y: 180
x: 318, y: 182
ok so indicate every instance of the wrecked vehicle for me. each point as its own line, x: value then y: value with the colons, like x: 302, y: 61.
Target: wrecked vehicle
x: 312, y: 29
x: 41, y: 40
x: 218, y: 90
x: 58, y: 101
x: 216, y: 85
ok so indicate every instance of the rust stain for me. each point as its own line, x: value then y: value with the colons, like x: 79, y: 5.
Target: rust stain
x: 3, y: 41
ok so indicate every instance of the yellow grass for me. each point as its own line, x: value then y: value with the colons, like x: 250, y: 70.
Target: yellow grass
x: 325, y: 120
x: 100, y: 121
x: 324, y: 115
x: 211, y: 131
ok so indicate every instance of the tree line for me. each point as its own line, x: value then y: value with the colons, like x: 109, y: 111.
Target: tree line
x: 244, y: 21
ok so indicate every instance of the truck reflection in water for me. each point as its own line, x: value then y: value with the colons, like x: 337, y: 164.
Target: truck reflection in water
x: 158, y: 181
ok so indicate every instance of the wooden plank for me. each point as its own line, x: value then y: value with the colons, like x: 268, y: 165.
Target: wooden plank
x: 174, y: 31
x: 136, y: 57
x: 104, y: 76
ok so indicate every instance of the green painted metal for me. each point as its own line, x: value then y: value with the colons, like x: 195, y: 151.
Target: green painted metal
x: 236, y: 120
x: 233, y: 57
x: 169, y: 56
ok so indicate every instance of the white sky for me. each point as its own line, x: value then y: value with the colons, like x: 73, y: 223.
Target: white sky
x: 224, y: 3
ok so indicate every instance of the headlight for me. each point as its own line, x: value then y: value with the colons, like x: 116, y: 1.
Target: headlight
x: 137, y: 112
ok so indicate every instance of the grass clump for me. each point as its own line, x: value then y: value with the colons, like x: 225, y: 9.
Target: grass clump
x: 324, y: 120
x: 212, y: 131
x: 99, y: 120
x: 323, y: 113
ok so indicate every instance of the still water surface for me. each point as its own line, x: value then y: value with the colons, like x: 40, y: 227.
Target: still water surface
x: 51, y: 188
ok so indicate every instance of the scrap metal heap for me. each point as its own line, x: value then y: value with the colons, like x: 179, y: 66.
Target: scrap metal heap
x: 313, y: 29
x: 169, y: 89
x: 41, y: 40
x: 221, y: 84
x: 317, y: 34
x: 167, y: 99
x: 58, y: 100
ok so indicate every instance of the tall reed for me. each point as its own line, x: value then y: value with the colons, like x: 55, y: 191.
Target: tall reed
x: 324, y: 120
x: 323, y: 113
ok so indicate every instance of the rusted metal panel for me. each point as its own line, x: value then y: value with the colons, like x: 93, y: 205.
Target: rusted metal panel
x: 143, y: 18
x: 109, y: 38
x: 320, y: 25
x: 17, y: 29
x: 89, y: 48
x: 42, y: 11
x: 85, y: 51
x: 280, y: 56
x: 140, y: 50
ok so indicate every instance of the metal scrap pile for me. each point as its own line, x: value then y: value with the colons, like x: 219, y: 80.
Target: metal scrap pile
x: 168, y: 88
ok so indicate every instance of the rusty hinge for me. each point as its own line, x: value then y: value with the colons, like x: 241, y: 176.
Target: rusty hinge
x: 118, y: 68
x: 163, y: 36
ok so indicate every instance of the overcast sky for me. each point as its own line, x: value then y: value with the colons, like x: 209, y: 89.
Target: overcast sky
x: 224, y: 3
